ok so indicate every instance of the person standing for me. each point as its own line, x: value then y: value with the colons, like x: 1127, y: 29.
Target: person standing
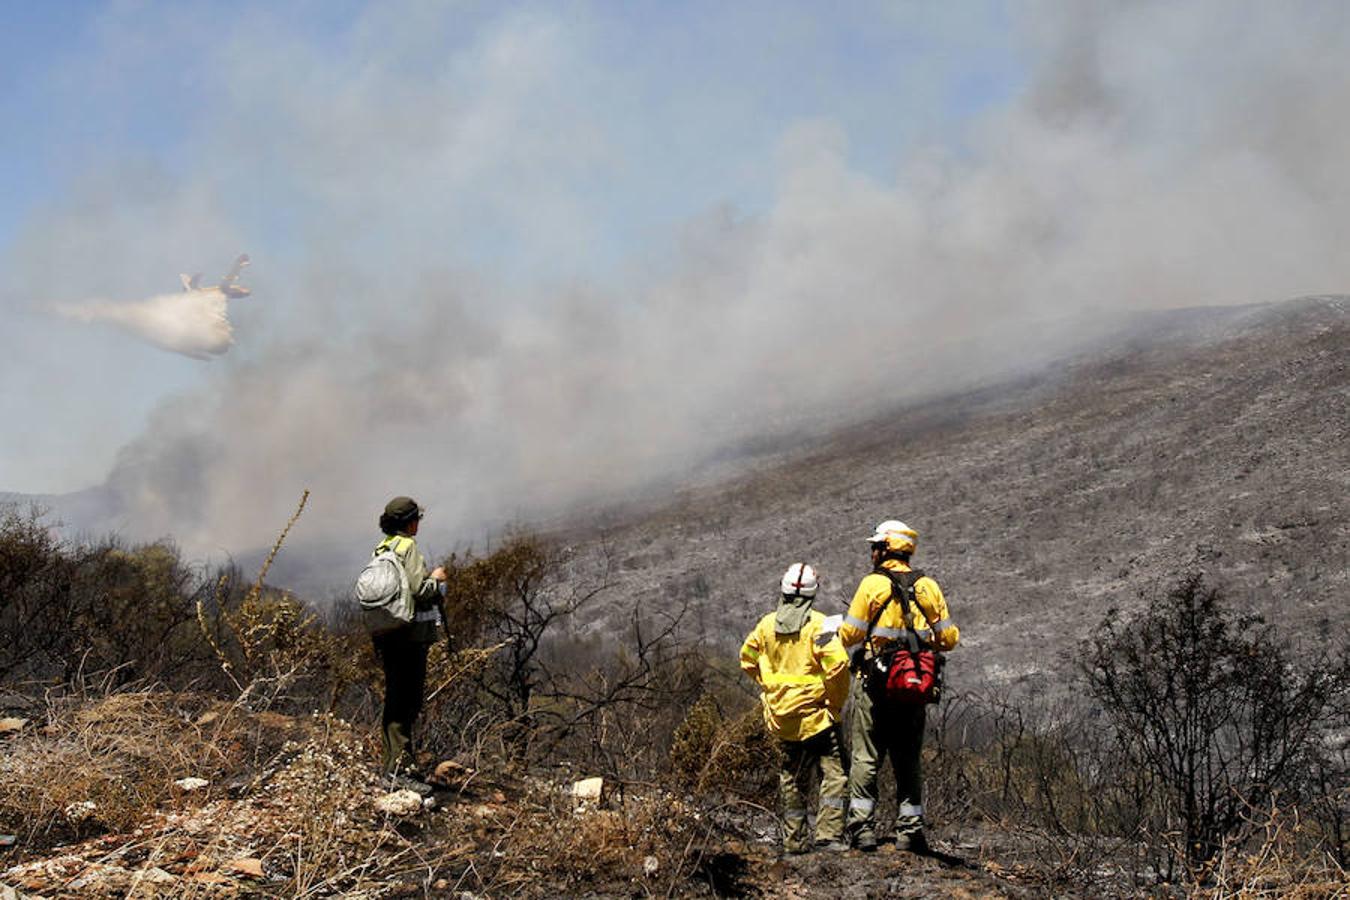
x: 802, y: 672
x: 878, y: 728
x: 402, y: 651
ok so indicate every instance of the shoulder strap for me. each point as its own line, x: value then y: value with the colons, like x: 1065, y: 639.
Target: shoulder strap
x: 902, y: 583
x: 872, y: 623
x: 906, y: 592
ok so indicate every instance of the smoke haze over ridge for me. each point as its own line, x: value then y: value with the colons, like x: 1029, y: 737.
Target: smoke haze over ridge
x: 447, y: 304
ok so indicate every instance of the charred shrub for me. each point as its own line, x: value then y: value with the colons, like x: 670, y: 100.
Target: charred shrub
x: 540, y: 689
x: 103, y: 610
x: 105, y: 615
x: 1222, y: 713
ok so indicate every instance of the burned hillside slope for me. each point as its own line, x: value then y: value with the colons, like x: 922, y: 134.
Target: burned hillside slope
x: 1216, y: 439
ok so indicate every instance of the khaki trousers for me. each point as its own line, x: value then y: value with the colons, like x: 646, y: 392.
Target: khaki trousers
x: 877, y: 730
x: 823, y: 755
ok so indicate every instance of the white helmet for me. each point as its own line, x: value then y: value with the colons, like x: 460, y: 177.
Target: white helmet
x: 895, y: 536
x: 800, y: 581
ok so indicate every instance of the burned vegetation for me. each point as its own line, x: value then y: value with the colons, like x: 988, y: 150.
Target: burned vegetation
x: 224, y: 743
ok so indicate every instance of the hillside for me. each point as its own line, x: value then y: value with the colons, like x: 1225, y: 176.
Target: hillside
x: 1216, y: 438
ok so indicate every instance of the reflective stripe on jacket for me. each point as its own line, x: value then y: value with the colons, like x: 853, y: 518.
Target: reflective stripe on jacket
x: 804, y: 682
x: 938, y: 630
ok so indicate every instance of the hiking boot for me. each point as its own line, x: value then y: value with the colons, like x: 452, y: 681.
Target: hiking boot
x: 914, y: 842
x: 865, y: 841
x: 408, y: 783
x: 834, y: 846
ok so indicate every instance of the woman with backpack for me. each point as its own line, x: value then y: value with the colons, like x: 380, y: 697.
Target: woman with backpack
x: 402, y: 650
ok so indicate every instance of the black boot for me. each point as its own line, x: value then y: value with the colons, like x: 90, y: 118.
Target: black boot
x: 914, y: 842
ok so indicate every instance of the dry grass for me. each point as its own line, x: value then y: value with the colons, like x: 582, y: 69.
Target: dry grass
x: 543, y: 845
x: 100, y: 767
x: 293, y: 796
x: 1279, y: 863
x: 303, y: 810
x: 93, y: 799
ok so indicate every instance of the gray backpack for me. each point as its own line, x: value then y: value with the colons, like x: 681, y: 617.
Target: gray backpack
x: 383, y: 592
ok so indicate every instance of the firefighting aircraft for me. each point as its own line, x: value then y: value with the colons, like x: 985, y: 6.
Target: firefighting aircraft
x: 229, y: 286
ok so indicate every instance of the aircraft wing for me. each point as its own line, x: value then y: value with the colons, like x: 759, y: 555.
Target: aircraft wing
x: 235, y: 269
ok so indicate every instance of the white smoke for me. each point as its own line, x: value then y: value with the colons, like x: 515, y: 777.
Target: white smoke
x: 193, y: 323
x: 1158, y: 155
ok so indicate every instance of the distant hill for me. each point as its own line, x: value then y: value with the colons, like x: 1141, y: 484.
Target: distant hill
x: 90, y: 512
x: 1216, y: 438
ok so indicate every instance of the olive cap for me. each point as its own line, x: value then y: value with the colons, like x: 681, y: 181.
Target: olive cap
x: 402, y: 509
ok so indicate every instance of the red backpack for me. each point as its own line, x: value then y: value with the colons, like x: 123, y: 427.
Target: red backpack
x: 906, y: 671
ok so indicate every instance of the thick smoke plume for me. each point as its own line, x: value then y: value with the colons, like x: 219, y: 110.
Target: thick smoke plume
x: 448, y: 332
x: 195, y: 323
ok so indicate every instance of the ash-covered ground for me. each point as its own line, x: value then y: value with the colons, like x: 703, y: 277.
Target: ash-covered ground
x: 1214, y: 439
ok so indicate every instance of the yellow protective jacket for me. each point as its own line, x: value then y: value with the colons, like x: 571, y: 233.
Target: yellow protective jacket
x: 804, y: 678
x: 937, y: 631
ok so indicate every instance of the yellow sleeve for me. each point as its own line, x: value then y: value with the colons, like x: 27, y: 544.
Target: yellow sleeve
x: 934, y: 606
x: 831, y: 657
x: 833, y: 662
x: 750, y: 651
x: 872, y: 590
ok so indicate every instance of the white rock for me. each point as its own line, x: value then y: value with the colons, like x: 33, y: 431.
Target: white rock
x: 650, y: 865
x: 588, y: 788
x: 191, y: 784
x: 399, y: 803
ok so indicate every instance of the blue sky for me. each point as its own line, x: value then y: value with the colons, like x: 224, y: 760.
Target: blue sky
x: 93, y: 84
x: 115, y: 108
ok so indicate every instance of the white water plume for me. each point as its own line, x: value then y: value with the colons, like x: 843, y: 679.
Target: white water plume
x: 193, y: 323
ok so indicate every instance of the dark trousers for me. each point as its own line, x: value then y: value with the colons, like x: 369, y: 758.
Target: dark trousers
x: 405, y: 677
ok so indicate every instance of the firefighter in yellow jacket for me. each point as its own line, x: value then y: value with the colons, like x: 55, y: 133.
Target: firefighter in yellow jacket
x: 803, y: 673
x: 877, y: 728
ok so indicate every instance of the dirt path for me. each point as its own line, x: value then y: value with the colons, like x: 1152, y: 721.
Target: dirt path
x: 735, y: 869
